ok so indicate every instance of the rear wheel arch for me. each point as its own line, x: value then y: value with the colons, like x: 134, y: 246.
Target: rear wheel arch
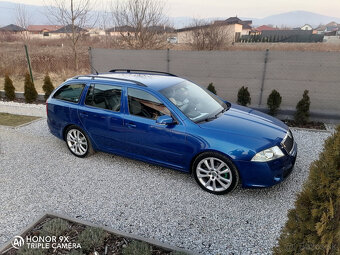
x: 89, y: 145
x: 66, y: 128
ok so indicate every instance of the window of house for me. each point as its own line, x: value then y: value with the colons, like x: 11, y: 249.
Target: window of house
x: 104, y: 96
x: 70, y: 92
x: 143, y: 104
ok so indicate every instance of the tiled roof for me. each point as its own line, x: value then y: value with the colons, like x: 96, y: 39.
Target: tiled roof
x: 265, y: 28
x: 40, y: 28
x: 233, y: 20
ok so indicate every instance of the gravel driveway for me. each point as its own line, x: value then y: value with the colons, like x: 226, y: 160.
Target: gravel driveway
x: 39, y: 174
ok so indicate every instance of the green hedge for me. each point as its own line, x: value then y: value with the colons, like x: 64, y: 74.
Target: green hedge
x: 30, y: 92
x: 313, y: 225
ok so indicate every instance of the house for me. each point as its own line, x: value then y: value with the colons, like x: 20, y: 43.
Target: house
x: 330, y: 27
x: 232, y: 26
x: 185, y: 35
x: 13, y: 29
x: 246, y: 25
x: 306, y: 27
x: 41, y: 31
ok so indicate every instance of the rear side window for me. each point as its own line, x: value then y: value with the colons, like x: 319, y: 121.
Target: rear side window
x: 70, y: 92
x: 104, y: 96
x: 143, y: 104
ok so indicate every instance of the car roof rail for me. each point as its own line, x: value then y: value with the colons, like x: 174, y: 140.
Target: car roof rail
x: 93, y: 77
x: 140, y: 71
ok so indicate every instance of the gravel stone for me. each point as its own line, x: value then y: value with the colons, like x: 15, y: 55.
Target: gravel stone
x: 38, y: 174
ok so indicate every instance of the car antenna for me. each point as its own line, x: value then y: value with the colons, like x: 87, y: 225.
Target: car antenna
x: 94, y: 69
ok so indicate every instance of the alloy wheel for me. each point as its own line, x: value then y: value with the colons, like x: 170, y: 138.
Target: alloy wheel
x: 77, y: 142
x: 214, y: 174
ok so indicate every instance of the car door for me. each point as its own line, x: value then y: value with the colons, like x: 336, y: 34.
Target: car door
x: 102, y: 116
x: 144, y: 137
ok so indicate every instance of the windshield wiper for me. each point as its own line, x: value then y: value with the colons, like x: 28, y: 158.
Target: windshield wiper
x: 207, y: 119
x: 212, y: 117
x: 222, y: 111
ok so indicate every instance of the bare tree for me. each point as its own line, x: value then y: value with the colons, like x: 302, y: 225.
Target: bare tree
x: 105, y: 21
x: 22, y: 19
x: 74, y: 16
x: 210, y: 36
x: 145, y: 21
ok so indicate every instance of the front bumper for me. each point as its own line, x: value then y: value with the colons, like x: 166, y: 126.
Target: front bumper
x: 266, y: 174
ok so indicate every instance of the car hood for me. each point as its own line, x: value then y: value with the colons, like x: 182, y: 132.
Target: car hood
x: 247, y: 122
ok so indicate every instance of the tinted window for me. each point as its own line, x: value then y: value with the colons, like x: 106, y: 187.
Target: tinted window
x: 195, y: 102
x: 144, y: 104
x: 104, y: 96
x: 71, y: 92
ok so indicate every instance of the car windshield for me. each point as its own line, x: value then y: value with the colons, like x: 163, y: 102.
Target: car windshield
x: 195, y: 102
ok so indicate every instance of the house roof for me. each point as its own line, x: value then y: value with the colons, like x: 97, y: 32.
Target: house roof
x: 233, y: 20
x: 332, y: 24
x: 68, y: 29
x: 192, y: 28
x: 246, y: 24
x: 265, y: 28
x: 12, y: 28
x: 40, y: 28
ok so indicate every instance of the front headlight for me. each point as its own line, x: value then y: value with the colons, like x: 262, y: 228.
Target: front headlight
x: 268, y: 154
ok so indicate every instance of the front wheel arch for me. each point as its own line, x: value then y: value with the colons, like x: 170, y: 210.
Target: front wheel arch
x: 205, y: 151
x: 239, y: 179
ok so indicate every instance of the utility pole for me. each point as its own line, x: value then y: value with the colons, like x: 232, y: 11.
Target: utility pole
x: 29, y: 63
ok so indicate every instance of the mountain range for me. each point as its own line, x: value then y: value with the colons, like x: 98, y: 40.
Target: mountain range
x: 288, y: 19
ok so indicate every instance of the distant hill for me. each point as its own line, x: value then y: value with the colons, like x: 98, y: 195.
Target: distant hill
x: 295, y: 19
x: 287, y: 19
x: 7, y: 10
x: 290, y: 19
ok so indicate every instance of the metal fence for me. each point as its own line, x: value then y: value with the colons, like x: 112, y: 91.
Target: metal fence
x: 288, y: 72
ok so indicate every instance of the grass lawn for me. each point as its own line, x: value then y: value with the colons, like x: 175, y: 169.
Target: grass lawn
x: 13, y: 120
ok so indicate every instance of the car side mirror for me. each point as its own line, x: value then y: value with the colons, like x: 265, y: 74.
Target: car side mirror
x: 165, y: 120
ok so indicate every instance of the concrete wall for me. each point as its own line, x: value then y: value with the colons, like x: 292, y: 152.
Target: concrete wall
x: 288, y: 72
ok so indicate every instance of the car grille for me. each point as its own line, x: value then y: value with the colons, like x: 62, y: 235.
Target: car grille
x: 288, y: 142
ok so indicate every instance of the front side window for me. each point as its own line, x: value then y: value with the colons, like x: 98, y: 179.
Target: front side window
x: 143, y: 104
x: 195, y: 102
x: 104, y: 96
x: 70, y: 92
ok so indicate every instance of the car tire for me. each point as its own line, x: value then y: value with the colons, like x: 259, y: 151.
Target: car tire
x: 78, y: 142
x: 215, y: 173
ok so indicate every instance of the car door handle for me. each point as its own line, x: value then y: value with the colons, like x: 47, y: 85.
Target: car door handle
x: 83, y: 115
x: 131, y: 125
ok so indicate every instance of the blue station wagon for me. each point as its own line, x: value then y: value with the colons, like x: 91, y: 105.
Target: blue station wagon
x: 163, y: 119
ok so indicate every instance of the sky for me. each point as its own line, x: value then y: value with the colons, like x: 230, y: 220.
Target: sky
x: 244, y: 8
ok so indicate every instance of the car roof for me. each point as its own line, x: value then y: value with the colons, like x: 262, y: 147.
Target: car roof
x: 153, y: 81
